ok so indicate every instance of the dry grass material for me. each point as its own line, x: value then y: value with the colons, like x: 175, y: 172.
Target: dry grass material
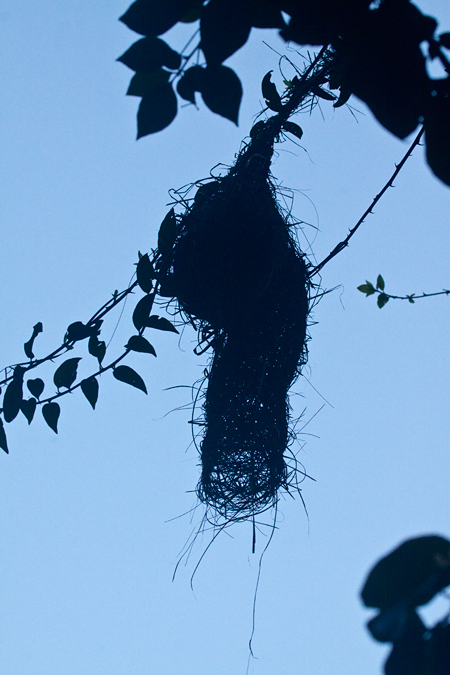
x: 236, y: 269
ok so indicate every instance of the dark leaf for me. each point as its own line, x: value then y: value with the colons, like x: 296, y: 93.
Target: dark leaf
x: 270, y: 93
x: 157, y: 110
x: 437, y: 137
x: 145, y: 273
x: 380, y: 283
x: 367, y: 288
x: 151, y: 18
x: 35, y: 387
x: 3, y: 441
x: 160, y: 323
x: 190, y: 82
x: 265, y: 14
x: 142, y: 311
x: 28, y: 346
x: 143, y: 84
x: 444, y: 39
x: 66, y: 374
x: 222, y: 91
x: 322, y: 93
x: 344, y: 95
x: 129, y: 376
x: 77, y: 331
x: 150, y: 53
x: 28, y: 408
x: 12, y: 399
x: 97, y: 348
x: 256, y: 128
x: 411, y: 298
x: 51, y: 412
x: 138, y: 343
x: 89, y: 387
x: 194, y: 13
x: 293, y: 129
x: 382, y: 300
x: 167, y: 233
x: 414, y: 573
x: 224, y: 28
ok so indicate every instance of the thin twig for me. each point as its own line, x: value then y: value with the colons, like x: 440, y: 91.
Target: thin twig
x: 342, y: 244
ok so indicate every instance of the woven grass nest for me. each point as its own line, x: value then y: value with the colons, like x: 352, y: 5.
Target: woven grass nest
x: 236, y: 269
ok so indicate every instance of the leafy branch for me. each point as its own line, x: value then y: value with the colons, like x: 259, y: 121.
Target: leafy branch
x: 383, y: 298
x: 65, y: 376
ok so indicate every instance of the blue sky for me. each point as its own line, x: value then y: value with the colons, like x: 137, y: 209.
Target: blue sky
x: 86, y: 550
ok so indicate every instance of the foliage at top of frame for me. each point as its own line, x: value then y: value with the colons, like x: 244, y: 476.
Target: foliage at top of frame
x: 375, y: 47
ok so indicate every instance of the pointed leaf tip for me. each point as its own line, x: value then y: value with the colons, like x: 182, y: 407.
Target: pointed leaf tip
x: 3, y: 441
x: 129, y: 376
x: 51, y: 412
x: 89, y: 387
x: 160, y: 323
x: 28, y: 408
x: 380, y: 283
x: 138, y: 343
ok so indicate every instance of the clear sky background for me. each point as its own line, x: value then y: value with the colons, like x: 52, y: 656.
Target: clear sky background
x: 86, y: 550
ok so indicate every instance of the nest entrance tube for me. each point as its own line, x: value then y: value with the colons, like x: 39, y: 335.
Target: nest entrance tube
x: 236, y: 269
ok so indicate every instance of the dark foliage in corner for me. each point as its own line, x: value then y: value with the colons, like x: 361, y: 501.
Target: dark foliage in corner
x: 376, y: 48
x: 408, y: 577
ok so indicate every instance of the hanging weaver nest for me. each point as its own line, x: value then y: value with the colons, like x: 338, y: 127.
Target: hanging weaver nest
x: 236, y: 270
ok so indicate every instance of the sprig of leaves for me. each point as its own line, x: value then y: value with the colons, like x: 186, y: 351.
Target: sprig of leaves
x: 66, y: 374
x: 383, y: 298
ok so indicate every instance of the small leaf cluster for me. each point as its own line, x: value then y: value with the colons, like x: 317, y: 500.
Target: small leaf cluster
x: 383, y: 298
x: 65, y: 377
x: 369, y: 289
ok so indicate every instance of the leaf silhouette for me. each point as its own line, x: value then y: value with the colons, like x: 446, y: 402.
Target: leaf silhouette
x: 138, y: 343
x: 380, y: 283
x: 142, y: 311
x: 382, y: 300
x: 149, y: 18
x: 143, y: 84
x: 150, y: 53
x: 129, y: 376
x: 12, y: 399
x: 224, y: 28
x: 97, y: 348
x: 28, y: 407
x: 36, y: 387
x: 145, y: 273
x: 3, y: 441
x: 270, y: 93
x: 221, y: 91
x: 157, y: 110
x: 77, y: 331
x: 190, y: 82
x: 89, y: 387
x: 293, y: 129
x: 167, y: 233
x: 160, y: 323
x: 28, y: 346
x: 51, y: 412
x: 66, y: 374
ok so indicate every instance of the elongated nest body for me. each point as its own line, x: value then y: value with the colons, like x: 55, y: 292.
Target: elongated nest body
x: 237, y: 270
